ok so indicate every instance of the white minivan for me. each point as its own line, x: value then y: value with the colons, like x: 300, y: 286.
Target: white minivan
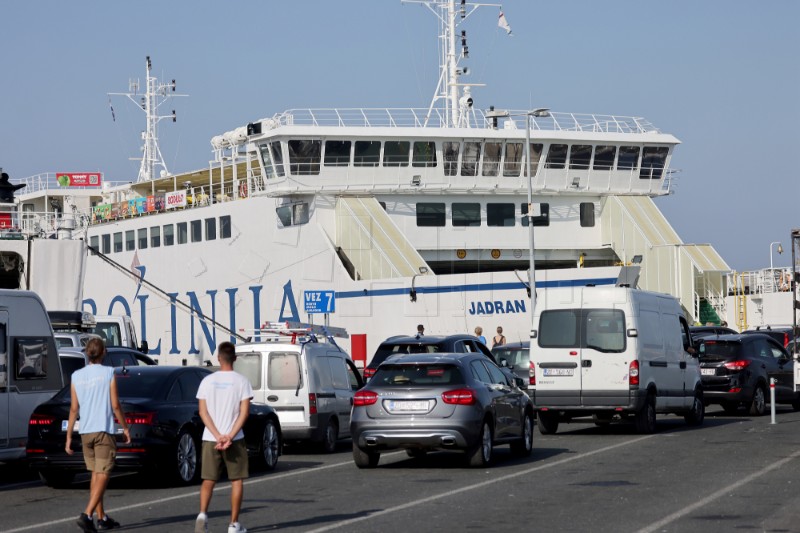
x: 612, y: 352
x: 309, y: 382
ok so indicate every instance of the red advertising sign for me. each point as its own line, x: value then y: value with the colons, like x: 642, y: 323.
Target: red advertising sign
x: 77, y: 179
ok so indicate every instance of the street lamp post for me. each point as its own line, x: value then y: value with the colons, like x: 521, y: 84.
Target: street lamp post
x: 771, y: 268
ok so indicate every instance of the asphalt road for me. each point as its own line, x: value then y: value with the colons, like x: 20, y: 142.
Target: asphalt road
x: 732, y: 473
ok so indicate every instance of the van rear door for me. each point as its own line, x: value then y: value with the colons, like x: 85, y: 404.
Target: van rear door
x: 556, y: 357
x: 604, y: 361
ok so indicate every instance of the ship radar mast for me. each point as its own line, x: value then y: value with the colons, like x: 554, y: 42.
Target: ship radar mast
x: 156, y: 94
x: 452, y: 96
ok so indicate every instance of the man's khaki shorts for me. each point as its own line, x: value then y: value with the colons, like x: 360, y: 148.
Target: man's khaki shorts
x: 235, y: 459
x: 99, y: 451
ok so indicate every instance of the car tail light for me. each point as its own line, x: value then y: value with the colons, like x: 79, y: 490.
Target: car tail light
x: 41, y: 420
x: 737, y: 366
x: 312, y: 403
x: 369, y: 372
x: 785, y: 340
x: 145, y: 419
x: 364, y: 397
x: 533, y: 374
x: 633, y: 373
x: 459, y: 397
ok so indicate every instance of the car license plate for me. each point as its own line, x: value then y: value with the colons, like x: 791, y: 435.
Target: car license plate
x: 708, y: 371
x: 407, y: 405
x: 64, y: 424
x: 558, y: 371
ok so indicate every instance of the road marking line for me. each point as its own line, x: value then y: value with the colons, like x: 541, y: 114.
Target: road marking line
x: 711, y: 497
x: 343, y: 523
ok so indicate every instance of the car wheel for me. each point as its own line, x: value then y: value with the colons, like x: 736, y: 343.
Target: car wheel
x: 524, y: 446
x: 56, y: 479
x: 697, y: 413
x: 185, y: 461
x: 548, y: 422
x: 645, y: 419
x: 330, y: 436
x: 416, y: 453
x: 365, y: 459
x: 759, y: 404
x: 481, y: 454
x: 270, y: 446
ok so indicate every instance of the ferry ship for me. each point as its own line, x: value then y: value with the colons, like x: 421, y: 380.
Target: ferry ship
x: 376, y: 220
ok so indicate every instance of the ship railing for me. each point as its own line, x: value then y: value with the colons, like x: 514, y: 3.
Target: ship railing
x: 764, y: 281
x: 422, y: 118
x: 48, y: 181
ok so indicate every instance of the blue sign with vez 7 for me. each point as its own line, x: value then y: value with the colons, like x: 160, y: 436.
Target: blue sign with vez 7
x: 319, y: 301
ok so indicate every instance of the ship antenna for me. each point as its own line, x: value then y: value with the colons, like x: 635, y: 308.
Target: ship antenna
x: 156, y: 94
x: 456, y: 104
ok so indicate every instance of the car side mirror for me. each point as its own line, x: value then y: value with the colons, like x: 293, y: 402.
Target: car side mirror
x: 144, y: 348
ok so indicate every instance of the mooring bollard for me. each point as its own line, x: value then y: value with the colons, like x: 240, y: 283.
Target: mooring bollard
x: 772, y: 399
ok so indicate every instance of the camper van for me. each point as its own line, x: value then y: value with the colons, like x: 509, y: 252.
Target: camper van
x: 30, y: 372
x: 307, y: 378
x: 610, y: 353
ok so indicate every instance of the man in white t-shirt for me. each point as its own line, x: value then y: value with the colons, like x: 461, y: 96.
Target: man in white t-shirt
x: 224, y: 405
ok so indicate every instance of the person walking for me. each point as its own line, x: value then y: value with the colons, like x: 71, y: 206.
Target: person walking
x: 224, y: 399
x: 479, y: 334
x: 94, y: 398
x: 499, y: 339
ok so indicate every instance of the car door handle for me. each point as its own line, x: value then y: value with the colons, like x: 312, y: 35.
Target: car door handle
x: 586, y: 363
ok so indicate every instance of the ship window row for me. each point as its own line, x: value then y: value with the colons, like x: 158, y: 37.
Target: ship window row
x: 468, y: 214
x: 463, y: 158
x: 207, y: 229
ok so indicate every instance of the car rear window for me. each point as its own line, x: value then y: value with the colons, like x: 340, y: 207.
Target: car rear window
x: 599, y: 329
x: 515, y: 357
x: 284, y: 370
x: 131, y: 384
x: 394, y: 375
x: 720, y: 348
x: 385, y: 350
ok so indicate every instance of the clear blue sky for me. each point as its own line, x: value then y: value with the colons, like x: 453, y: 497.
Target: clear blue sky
x: 721, y: 75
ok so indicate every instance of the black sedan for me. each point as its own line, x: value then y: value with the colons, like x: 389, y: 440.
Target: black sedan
x: 736, y: 372
x: 161, y: 409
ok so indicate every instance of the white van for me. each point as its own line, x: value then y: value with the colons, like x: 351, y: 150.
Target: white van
x: 30, y: 372
x: 310, y: 384
x: 612, y: 351
x: 118, y: 330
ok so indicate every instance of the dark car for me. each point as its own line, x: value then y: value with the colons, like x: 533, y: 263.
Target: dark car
x: 782, y: 334
x: 73, y: 359
x: 736, y: 372
x: 404, y: 345
x: 516, y: 357
x: 424, y: 402
x: 698, y: 332
x: 160, y: 406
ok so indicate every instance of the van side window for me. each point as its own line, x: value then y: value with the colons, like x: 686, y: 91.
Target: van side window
x: 30, y: 358
x: 284, y: 370
x: 338, y: 373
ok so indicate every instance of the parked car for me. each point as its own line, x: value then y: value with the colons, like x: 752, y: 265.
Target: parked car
x: 736, y: 370
x: 782, y: 334
x: 516, y: 357
x: 160, y: 406
x: 698, y: 332
x: 450, y: 401
x: 73, y: 339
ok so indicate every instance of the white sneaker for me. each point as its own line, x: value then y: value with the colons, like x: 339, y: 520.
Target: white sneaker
x: 201, y: 524
x: 236, y: 527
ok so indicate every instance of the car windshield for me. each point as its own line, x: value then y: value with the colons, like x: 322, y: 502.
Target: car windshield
x: 391, y: 375
x: 720, y: 349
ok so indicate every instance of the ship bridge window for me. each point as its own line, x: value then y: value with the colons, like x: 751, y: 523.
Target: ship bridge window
x: 277, y: 158
x: 450, y: 154
x: 654, y: 158
x: 130, y: 240
x: 536, y: 156
x: 266, y: 160
x: 395, y: 153
x: 604, y: 157
x: 337, y: 153
x: 196, y: 230
x: 556, y: 156
x: 183, y: 233
x: 292, y: 214
x: 424, y: 154
x: 225, y: 227
x: 579, y: 156
x: 94, y: 240
x: 118, y: 242
x: 466, y: 214
x: 542, y: 219
x: 304, y: 157
x: 142, y: 238
x: 169, y: 235
x: 513, y: 159
x: 106, y: 240
x: 500, y: 215
x: 430, y: 214
x: 155, y: 236
x: 211, y: 228
x: 628, y: 158
x: 469, y: 161
x: 587, y: 214
x: 367, y: 154
x: 491, y: 158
